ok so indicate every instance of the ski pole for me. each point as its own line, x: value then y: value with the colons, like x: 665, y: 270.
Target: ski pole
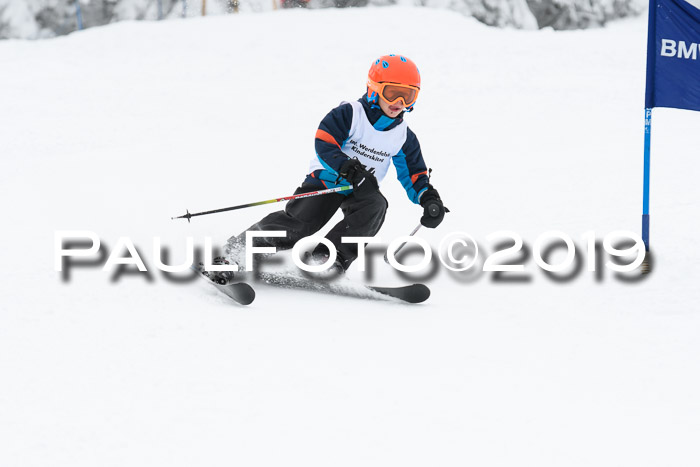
x: 386, y: 255
x: 189, y: 215
x: 433, y: 211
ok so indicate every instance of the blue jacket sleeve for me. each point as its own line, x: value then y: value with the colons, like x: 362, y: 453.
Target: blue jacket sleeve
x: 331, y: 135
x: 410, y: 168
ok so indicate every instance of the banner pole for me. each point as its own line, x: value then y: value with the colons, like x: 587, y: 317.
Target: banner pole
x: 647, y: 163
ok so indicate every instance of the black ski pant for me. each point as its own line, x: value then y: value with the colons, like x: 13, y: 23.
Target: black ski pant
x: 363, y: 217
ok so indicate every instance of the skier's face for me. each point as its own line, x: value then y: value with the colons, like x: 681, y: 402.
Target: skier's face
x: 391, y: 110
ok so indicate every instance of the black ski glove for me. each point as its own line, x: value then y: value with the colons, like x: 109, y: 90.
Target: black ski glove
x: 433, y: 209
x: 364, y: 183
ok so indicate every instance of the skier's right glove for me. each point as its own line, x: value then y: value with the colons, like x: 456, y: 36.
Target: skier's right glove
x: 433, y: 209
x: 364, y: 183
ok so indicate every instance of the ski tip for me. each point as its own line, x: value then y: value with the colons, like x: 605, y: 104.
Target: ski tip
x: 414, y: 293
x: 420, y: 293
x: 245, y: 293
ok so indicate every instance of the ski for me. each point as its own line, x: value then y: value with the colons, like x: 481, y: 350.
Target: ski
x: 240, y: 292
x: 414, y: 293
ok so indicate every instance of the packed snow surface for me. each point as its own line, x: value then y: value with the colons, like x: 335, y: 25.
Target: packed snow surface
x: 116, y: 129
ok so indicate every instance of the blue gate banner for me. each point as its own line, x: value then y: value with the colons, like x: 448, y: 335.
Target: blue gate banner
x: 673, y: 55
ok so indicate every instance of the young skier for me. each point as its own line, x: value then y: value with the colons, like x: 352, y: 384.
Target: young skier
x: 355, y: 145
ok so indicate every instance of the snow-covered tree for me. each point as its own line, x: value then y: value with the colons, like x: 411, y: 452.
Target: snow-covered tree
x: 32, y: 19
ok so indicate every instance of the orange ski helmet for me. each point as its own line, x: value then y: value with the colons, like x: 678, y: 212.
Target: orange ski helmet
x: 395, y: 78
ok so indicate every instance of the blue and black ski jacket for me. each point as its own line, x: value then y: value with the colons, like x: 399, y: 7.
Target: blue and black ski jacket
x: 361, y: 130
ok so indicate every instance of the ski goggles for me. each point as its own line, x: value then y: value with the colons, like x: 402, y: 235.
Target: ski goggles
x: 392, y: 92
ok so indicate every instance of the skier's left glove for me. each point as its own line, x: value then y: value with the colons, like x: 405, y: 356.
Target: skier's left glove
x: 433, y: 209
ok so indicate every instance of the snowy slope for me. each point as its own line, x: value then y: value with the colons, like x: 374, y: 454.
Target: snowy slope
x: 116, y: 129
